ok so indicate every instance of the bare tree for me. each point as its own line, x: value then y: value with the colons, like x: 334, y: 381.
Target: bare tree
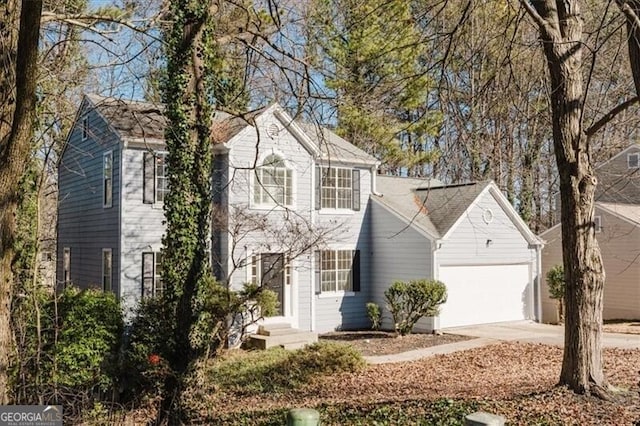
x: 561, y: 29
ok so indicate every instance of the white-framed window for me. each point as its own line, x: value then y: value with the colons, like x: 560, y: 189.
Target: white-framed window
x: 107, y: 269
x: 337, y: 188
x: 337, y: 270
x: 85, y: 127
x: 633, y: 160
x: 152, y: 284
x: 107, y: 179
x: 273, y: 183
x: 66, y: 265
x: 155, y: 177
x: 597, y: 223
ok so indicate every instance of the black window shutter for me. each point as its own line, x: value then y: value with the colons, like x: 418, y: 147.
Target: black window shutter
x: 318, y: 187
x: 147, y: 274
x: 318, y: 270
x: 355, y: 271
x: 148, y: 179
x: 355, y: 190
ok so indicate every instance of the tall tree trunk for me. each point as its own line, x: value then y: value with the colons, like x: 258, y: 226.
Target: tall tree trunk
x: 561, y: 27
x: 14, y: 155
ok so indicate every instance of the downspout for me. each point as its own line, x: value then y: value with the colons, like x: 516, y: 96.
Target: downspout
x: 312, y: 216
x: 539, y: 283
x: 435, y: 275
x: 374, y: 173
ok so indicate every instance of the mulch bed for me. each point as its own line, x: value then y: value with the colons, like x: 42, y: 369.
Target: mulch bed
x: 371, y: 343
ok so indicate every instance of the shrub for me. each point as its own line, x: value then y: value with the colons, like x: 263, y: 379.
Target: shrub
x: 149, y: 342
x: 373, y: 311
x: 412, y: 300
x: 556, y: 285
x: 88, y: 330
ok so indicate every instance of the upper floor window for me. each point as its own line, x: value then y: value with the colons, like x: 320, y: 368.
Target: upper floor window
x: 156, y: 180
x: 152, y: 284
x: 107, y: 179
x: 337, y: 188
x: 85, y: 127
x: 633, y: 160
x: 107, y: 263
x: 273, y: 183
x: 337, y: 270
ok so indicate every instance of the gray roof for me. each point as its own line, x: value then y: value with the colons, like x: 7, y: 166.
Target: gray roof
x: 630, y: 212
x: 333, y: 147
x: 131, y: 119
x: 136, y: 119
x: 427, y: 203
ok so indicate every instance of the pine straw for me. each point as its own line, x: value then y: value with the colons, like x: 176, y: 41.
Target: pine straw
x: 515, y: 380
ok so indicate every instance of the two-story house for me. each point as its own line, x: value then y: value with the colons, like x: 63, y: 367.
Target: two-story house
x: 617, y: 223
x: 295, y: 209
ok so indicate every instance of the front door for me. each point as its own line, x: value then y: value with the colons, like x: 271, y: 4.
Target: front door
x: 272, y: 271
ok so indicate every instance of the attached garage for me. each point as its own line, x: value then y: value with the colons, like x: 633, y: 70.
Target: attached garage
x: 469, y: 237
x: 485, y: 294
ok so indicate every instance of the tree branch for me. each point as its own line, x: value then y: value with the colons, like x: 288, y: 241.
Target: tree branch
x: 610, y: 116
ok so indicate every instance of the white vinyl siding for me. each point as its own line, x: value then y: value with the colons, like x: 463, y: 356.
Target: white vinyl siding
x: 85, y: 225
x: 142, y: 223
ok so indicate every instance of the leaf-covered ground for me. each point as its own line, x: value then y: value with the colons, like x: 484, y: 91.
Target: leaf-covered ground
x: 512, y: 379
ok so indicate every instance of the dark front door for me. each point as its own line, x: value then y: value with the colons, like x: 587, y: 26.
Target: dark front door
x: 272, y: 269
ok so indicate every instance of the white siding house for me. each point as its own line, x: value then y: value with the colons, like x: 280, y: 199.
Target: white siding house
x: 298, y: 210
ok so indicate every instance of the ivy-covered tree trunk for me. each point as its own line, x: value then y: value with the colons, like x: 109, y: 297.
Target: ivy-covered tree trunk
x: 188, y: 204
x: 15, y: 151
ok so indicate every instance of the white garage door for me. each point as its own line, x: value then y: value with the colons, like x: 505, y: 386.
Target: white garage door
x: 485, y: 294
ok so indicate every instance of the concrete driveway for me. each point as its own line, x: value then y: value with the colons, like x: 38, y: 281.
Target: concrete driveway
x: 533, y: 332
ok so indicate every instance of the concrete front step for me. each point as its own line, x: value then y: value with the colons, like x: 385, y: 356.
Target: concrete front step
x: 289, y: 340
x: 275, y: 330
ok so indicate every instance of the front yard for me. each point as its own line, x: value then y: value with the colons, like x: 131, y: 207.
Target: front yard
x: 511, y: 379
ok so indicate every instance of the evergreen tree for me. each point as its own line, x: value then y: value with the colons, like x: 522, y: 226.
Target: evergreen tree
x: 372, y: 55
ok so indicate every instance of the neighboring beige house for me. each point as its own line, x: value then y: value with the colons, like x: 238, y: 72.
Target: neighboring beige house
x: 617, y: 220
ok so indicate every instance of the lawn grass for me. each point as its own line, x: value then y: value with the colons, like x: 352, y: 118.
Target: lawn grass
x: 277, y: 370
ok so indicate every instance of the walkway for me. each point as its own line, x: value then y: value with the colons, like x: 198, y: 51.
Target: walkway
x: 488, y: 334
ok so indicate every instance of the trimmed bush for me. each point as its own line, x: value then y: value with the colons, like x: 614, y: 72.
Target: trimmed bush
x: 556, y: 285
x: 375, y: 315
x: 412, y: 300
